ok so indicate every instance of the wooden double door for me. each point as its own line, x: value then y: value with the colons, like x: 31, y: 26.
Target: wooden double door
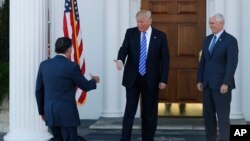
x: 184, y: 22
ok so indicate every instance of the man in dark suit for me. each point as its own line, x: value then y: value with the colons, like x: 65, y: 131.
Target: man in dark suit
x: 56, y: 83
x: 145, y: 54
x: 216, y: 78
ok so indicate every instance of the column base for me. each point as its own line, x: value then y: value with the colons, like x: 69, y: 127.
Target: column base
x: 112, y: 114
x: 27, y: 136
x: 238, y: 115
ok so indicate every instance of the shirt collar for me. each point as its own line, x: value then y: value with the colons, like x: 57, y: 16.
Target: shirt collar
x: 218, y: 34
x: 61, y: 54
x: 149, y: 31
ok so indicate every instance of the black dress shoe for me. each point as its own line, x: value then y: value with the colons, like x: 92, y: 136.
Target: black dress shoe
x: 80, y: 138
x: 52, y: 139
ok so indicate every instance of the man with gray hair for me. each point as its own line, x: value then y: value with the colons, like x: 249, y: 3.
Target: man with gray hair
x: 216, y: 78
x: 145, y: 54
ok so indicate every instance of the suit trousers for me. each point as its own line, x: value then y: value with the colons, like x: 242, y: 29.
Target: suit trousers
x: 149, y: 108
x: 64, y: 133
x: 216, y: 110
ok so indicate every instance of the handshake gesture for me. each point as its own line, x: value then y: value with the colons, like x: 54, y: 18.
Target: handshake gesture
x: 96, y: 78
x: 119, y: 64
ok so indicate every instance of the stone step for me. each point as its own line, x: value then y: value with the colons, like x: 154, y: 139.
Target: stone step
x: 116, y: 123
x: 163, y: 123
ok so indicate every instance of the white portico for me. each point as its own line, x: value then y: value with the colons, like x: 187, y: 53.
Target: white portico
x: 103, y: 25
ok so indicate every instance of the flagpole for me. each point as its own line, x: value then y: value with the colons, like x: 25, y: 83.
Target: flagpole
x: 74, y: 33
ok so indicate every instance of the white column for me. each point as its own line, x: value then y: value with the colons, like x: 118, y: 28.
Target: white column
x: 112, y: 81
x: 232, y: 25
x: 28, y: 47
x: 214, y: 7
x: 135, y: 6
x: 124, y: 25
x: 56, y: 10
x: 244, y: 54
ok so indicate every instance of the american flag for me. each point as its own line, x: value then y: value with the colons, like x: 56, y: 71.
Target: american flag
x: 71, y: 29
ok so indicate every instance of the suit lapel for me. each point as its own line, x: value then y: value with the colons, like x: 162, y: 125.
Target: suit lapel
x: 137, y: 43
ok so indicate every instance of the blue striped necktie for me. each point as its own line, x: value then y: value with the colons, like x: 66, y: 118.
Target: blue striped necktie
x: 211, y: 47
x: 143, y: 55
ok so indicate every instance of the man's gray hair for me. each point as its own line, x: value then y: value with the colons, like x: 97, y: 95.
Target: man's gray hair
x: 144, y: 13
x: 220, y: 18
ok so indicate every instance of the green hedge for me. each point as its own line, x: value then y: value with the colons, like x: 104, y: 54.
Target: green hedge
x: 4, y: 83
x: 4, y: 50
x: 4, y: 32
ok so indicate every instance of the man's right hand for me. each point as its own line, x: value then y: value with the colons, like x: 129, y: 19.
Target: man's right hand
x: 119, y: 64
x: 96, y: 78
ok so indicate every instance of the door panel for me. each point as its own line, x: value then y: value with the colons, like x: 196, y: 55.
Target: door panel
x: 184, y: 23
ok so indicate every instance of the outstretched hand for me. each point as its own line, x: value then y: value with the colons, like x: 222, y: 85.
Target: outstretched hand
x: 96, y: 78
x: 119, y: 64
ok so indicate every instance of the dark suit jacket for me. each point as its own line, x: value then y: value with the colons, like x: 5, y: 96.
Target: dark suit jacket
x: 219, y: 67
x: 55, y: 91
x: 157, y: 63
